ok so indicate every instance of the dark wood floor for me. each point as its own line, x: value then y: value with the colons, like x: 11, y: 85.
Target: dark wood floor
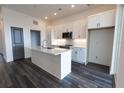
x: 98, y: 67
x: 23, y: 74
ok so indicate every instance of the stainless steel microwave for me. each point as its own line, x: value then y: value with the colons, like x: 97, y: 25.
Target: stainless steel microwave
x: 67, y: 35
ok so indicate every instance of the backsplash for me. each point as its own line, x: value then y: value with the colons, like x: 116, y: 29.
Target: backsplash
x: 80, y: 42
x: 75, y: 42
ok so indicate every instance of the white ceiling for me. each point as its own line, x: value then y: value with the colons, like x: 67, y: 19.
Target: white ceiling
x: 42, y: 10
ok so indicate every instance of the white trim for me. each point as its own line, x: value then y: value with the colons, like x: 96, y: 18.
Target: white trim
x: 117, y: 39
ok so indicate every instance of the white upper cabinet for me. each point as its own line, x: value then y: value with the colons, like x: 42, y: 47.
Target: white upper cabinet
x: 93, y: 21
x: 79, y: 29
x: 75, y: 30
x: 68, y: 27
x: 58, y: 31
x: 101, y: 20
x: 55, y: 30
x: 107, y: 19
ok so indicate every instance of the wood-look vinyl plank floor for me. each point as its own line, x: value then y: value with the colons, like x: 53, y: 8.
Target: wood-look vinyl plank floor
x: 24, y: 74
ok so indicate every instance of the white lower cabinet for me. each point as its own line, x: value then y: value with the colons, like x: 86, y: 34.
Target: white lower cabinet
x: 79, y: 55
x: 74, y: 54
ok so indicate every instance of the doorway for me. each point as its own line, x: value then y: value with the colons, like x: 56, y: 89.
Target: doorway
x: 100, y: 46
x: 35, y: 38
x: 17, y: 43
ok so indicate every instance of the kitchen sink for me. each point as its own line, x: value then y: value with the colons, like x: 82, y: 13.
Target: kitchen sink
x: 49, y: 48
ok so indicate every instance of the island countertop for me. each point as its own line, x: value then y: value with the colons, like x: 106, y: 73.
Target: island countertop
x: 54, y: 51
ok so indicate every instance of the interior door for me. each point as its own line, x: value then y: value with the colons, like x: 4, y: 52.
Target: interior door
x: 35, y: 38
x: 17, y: 43
x: 91, y: 47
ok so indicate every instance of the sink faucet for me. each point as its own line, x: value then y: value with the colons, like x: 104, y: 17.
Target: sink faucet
x: 44, y: 43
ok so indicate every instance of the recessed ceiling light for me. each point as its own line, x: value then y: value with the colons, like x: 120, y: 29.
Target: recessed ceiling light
x: 46, y: 17
x: 72, y: 6
x: 55, y: 13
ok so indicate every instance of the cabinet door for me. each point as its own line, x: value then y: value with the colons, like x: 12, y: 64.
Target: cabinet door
x: 64, y: 28
x: 75, y: 30
x: 81, y: 55
x: 79, y: 58
x: 107, y: 19
x: 68, y: 27
x: 92, y: 46
x: 82, y: 29
x: 74, y: 54
x: 49, y: 35
x: 100, y: 46
x: 78, y: 28
x: 55, y: 32
x: 58, y: 32
x: 93, y: 21
x: 78, y: 55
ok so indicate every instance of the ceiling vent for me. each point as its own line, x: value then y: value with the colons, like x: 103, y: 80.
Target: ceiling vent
x: 60, y: 9
x: 89, y: 5
x: 35, y: 22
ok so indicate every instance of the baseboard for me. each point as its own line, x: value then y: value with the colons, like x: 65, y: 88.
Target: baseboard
x: 28, y: 58
x: 78, y: 61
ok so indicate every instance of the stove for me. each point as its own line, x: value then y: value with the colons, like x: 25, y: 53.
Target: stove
x: 66, y: 46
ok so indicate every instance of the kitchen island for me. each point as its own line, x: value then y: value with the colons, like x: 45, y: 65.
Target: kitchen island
x: 56, y: 61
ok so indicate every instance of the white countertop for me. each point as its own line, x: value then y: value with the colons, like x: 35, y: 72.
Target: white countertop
x: 54, y: 51
x: 80, y: 46
x: 77, y: 46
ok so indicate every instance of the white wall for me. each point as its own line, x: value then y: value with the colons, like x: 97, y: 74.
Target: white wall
x: 1, y: 49
x: 117, y: 39
x: 16, y: 19
x: 120, y: 68
x: 0, y: 37
x: 120, y: 63
x: 0, y: 33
